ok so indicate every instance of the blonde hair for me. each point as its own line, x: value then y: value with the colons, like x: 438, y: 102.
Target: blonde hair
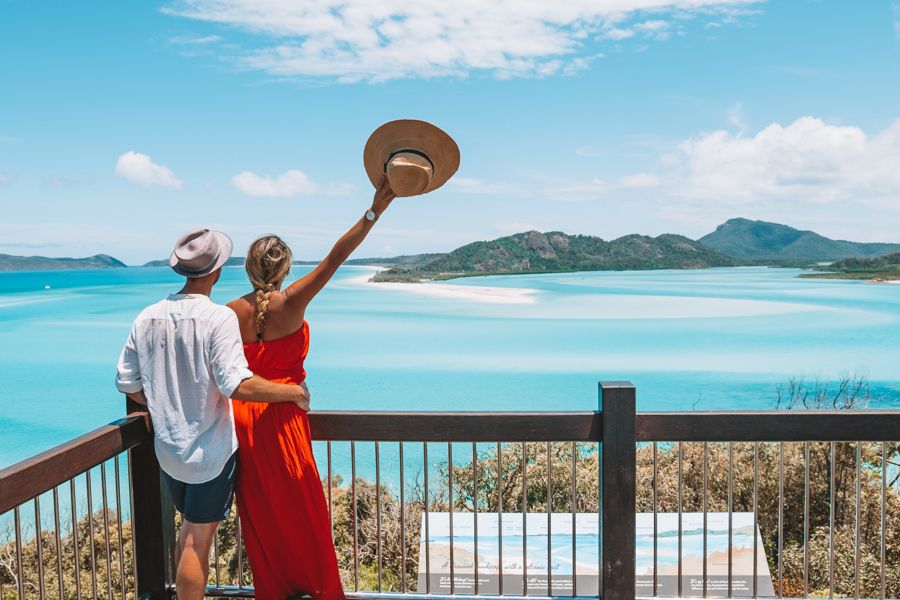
x: 268, y: 263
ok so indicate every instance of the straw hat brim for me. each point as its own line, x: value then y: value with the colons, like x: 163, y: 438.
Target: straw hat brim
x: 412, y: 134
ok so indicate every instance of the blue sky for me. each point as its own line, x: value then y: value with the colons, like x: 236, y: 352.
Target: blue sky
x: 123, y: 124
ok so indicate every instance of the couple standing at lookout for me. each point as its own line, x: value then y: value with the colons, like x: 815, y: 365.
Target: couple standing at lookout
x: 225, y: 388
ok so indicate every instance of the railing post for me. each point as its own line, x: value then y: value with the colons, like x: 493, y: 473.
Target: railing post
x: 618, y: 473
x: 152, y: 522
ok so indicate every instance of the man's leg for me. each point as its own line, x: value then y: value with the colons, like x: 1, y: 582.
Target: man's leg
x: 193, y: 559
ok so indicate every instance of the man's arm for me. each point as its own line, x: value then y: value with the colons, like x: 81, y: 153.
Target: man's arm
x: 260, y: 389
x: 128, y: 370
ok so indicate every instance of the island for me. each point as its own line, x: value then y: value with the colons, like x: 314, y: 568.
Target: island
x: 881, y: 268
x: 234, y: 261
x: 9, y: 262
x: 555, y: 251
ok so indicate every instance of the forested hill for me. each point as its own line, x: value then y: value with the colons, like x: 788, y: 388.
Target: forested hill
x: 764, y: 242
x: 536, y: 252
x: 9, y: 262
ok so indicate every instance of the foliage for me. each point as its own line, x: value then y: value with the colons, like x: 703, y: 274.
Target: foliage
x: 97, y: 567
x: 536, y: 252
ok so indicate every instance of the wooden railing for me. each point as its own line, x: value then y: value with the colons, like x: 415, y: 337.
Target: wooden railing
x: 616, y: 428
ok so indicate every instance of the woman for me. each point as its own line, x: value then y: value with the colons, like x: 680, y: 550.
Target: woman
x: 280, y: 500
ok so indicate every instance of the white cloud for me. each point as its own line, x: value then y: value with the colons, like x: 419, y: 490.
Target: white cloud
x: 4, y: 177
x: 194, y: 40
x: 807, y: 160
x: 361, y: 40
x: 639, y: 181
x: 287, y: 185
x: 576, y: 191
x: 736, y: 117
x: 138, y: 168
x: 469, y: 185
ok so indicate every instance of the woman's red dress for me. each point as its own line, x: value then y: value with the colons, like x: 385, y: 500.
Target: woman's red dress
x: 284, y: 514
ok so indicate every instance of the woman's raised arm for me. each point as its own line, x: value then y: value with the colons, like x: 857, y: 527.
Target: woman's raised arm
x: 299, y: 294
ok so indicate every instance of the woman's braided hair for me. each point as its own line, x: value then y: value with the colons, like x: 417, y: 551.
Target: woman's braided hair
x: 268, y: 262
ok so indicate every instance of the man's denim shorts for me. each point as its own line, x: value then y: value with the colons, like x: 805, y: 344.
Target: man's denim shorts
x: 207, y: 502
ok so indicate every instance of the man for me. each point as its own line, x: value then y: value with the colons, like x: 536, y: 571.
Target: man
x: 184, y: 360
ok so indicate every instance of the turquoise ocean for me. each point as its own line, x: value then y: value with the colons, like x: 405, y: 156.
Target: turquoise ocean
x: 712, y: 339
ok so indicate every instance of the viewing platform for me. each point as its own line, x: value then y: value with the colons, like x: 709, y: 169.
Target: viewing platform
x: 783, y: 503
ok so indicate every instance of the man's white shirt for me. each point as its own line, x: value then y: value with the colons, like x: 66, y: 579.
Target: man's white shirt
x: 185, y: 352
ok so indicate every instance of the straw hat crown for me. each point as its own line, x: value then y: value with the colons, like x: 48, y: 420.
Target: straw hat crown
x: 416, y: 156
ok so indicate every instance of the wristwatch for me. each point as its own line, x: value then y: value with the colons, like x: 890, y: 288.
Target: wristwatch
x: 370, y: 215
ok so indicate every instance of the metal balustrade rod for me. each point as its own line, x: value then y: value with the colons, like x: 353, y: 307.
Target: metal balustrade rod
x: 475, y: 512
x: 704, y: 507
x: 330, y: 486
x: 216, y: 558
x: 549, y: 521
x: 781, y: 520
x: 20, y: 575
x: 500, y: 517
x: 378, y: 514
x: 679, y: 500
x: 427, y: 521
x: 105, y: 499
x: 806, y: 519
x: 857, y: 562
x: 59, y: 549
x: 240, y: 551
x: 75, y: 558
x: 831, y: 521
x: 730, y: 517
x: 90, y: 503
x: 39, y: 545
x: 574, y: 515
x: 354, y: 513
x: 655, y: 522
x: 118, y: 484
x: 402, y: 525
x: 450, y: 506
x: 755, y: 515
x: 524, y: 519
x: 883, y: 516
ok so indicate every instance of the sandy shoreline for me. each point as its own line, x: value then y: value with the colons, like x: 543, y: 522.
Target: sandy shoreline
x: 474, y: 293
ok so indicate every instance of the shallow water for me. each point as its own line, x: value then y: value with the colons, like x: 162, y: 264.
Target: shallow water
x: 710, y: 339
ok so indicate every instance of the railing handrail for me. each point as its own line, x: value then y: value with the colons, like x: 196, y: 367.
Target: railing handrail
x: 429, y: 426
x: 37, y: 474
x: 787, y: 425
x: 40, y: 473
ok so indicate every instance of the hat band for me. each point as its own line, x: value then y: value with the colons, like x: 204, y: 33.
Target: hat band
x: 410, y: 151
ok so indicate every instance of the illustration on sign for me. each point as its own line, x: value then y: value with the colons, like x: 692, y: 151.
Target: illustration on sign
x: 507, y: 544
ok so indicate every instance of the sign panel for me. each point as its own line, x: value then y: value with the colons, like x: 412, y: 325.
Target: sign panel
x: 514, y: 545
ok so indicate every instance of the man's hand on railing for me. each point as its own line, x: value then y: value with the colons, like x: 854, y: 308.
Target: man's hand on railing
x: 138, y: 397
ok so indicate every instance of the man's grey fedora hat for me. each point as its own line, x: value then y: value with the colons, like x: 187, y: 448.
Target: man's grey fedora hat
x: 199, y: 252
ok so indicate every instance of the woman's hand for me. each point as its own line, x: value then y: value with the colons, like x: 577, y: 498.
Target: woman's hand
x: 383, y: 196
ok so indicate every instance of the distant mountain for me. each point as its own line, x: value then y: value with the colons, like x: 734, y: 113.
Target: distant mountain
x: 234, y: 261
x: 760, y: 241
x: 536, y: 252
x: 8, y: 262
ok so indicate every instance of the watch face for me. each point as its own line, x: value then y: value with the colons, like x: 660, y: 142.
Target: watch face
x: 370, y: 215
